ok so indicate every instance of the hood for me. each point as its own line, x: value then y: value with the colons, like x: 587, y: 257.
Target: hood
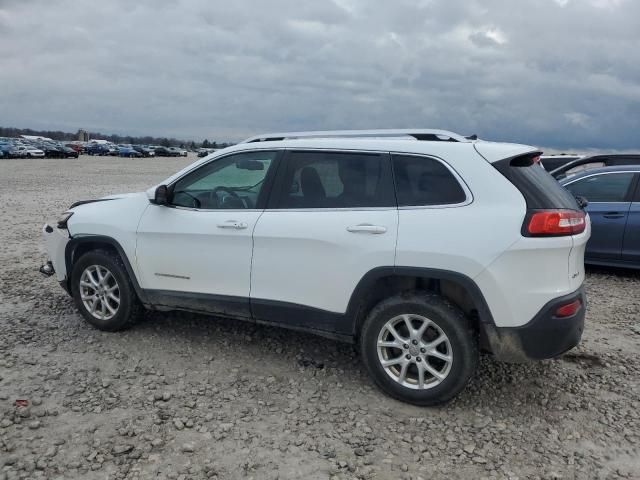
x: 105, y: 199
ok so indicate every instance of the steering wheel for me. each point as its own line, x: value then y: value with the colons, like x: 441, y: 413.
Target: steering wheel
x: 231, y: 192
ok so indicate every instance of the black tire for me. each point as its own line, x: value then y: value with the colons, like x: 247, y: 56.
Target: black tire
x: 129, y: 310
x: 462, y: 340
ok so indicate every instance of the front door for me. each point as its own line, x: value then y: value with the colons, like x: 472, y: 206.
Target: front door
x: 609, y: 202
x: 196, y: 252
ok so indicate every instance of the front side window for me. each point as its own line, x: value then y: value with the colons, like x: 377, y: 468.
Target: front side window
x: 233, y: 182
x: 422, y: 181
x: 611, y: 187
x: 337, y: 180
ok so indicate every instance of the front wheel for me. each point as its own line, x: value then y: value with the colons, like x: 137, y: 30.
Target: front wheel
x: 103, y: 291
x: 419, y: 348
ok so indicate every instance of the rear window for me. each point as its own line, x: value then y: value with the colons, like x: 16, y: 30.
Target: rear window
x: 321, y: 179
x: 539, y: 189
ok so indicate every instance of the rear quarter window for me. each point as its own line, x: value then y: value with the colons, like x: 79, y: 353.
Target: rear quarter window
x: 423, y: 181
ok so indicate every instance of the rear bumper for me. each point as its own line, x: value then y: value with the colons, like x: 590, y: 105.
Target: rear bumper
x: 545, y: 336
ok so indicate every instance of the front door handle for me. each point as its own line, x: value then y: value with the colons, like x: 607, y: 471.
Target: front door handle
x: 367, y: 228
x: 613, y: 215
x: 233, y: 224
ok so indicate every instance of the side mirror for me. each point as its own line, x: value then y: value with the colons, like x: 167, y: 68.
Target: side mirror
x: 161, y: 197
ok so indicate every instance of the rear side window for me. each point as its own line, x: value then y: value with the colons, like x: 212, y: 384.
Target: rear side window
x: 539, y: 189
x: 422, y: 181
x: 611, y: 187
x: 318, y: 179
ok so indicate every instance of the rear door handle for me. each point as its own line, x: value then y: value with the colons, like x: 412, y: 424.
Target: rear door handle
x: 233, y: 224
x: 367, y: 228
x: 613, y: 215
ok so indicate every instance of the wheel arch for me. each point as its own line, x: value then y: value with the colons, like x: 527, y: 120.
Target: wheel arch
x: 78, y: 246
x: 383, y: 282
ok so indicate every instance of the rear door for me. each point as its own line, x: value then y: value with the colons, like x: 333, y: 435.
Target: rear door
x: 332, y: 219
x: 631, y: 242
x: 609, y: 199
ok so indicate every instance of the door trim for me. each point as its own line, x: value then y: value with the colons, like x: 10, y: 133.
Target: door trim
x: 223, y: 305
x: 267, y: 312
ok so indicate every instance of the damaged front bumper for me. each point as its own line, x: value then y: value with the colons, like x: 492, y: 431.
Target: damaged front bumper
x: 55, y: 242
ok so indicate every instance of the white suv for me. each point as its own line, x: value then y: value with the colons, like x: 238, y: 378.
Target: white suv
x: 420, y: 246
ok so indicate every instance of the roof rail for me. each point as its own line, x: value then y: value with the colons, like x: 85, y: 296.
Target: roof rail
x: 417, y: 134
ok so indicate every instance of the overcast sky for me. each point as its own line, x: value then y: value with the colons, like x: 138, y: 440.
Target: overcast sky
x: 555, y: 73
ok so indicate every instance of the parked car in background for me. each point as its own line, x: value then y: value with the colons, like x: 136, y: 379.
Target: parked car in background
x: 165, y: 152
x: 112, y: 149
x: 181, y: 152
x: 613, y: 194
x: 97, y: 149
x: 76, y: 146
x: 69, y: 152
x: 27, y: 151
x: 145, y: 151
x: 9, y: 151
x: 128, y: 151
x: 51, y: 151
x: 551, y: 162
x: 594, y: 161
x: 203, y: 152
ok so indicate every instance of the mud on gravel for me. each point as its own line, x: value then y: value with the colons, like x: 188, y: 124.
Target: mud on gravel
x: 181, y: 396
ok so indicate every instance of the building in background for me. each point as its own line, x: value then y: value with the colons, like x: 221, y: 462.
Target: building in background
x: 83, y: 135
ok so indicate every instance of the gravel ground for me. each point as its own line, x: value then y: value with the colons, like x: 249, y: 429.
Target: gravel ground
x: 181, y: 396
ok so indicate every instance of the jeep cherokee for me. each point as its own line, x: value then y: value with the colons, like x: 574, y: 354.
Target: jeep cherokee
x: 422, y: 247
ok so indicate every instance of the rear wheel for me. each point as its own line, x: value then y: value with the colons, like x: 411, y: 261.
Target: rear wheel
x: 419, y: 348
x: 103, y: 292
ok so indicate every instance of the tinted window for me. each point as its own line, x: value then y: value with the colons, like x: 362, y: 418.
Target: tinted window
x: 337, y: 180
x: 611, y: 187
x: 539, y: 189
x: 231, y: 182
x: 425, y: 181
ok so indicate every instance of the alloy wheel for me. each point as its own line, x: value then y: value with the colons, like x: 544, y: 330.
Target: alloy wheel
x: 99, y: 292
x: 414, y: 351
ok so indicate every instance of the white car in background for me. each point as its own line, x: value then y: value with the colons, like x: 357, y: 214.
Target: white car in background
x: 180, y: 151
x: 29, y: 152
x: 421, y: 246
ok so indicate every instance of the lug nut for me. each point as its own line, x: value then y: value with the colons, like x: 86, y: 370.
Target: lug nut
x: 418, y: 359
x: 415, y: 342
x: 423, y: 350
x: 407, y: 356
x: 405, y: 346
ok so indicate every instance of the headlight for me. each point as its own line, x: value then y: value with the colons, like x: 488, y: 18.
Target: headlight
x: 64, y: 218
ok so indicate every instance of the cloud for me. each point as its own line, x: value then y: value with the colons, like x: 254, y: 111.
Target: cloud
x: 488, y: 38
x: 227, y: 70
x: 578, y: 119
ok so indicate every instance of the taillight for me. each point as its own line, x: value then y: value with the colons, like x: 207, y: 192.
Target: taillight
x: 569, y: 310
x: 555, y: 223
